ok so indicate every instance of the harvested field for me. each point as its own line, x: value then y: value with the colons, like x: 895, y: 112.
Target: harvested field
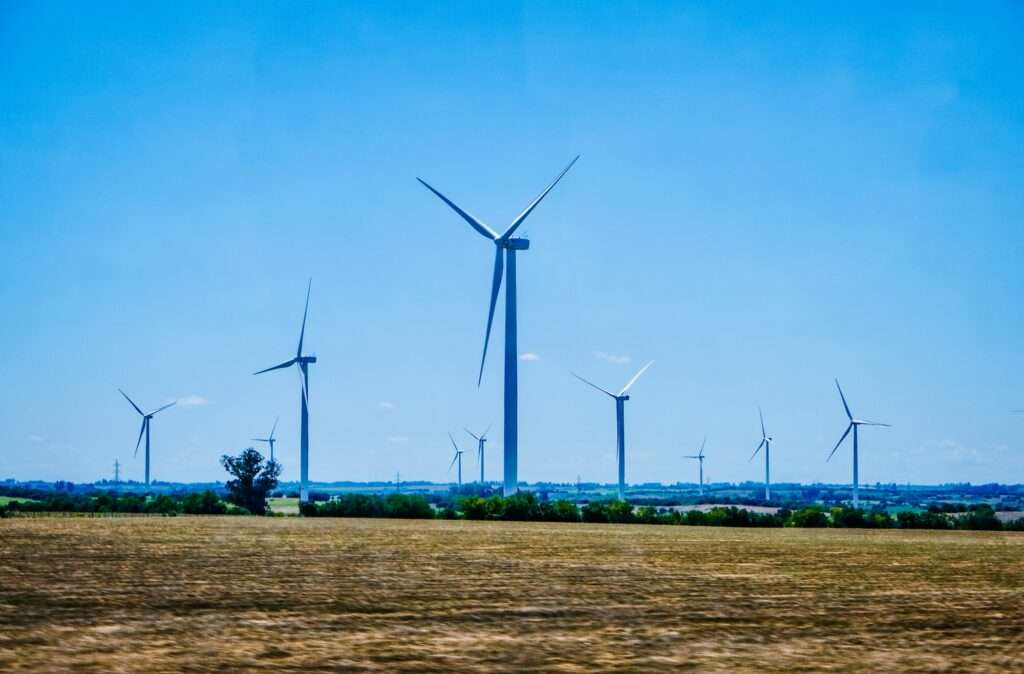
x: 205, y: 594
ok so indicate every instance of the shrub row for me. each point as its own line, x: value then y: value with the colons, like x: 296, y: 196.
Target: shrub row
x: 196, y: 503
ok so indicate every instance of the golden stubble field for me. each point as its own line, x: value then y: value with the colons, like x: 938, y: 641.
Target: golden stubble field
x: 216, y: 594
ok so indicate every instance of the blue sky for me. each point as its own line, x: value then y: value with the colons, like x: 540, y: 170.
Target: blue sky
x: 768, y: 197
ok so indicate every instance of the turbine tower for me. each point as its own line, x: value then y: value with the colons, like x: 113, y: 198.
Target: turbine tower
x: 766, y: 442
x: 700, y: 458
x: 854, y: 424
x: 457, y: 457
x: 303, y: 362
x: 620, y: 429
x: 270, y: 440
x: 146, y: 419
x: 506, y: 246
x: 481, y: 440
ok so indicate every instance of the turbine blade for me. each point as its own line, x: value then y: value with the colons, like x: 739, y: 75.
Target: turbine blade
x: 288, y: 363
x: 454, y: 459
x: 756, y: 450
x: 456, y: 447
x: 305, y: 386
x: 607, y: 393
x: 274, y: 428
x: 473, y: 222
x: 702, y: 443
x: 635, y: 377
x: 865, y: 422
x: 499, y: 270
x: 163, y: 408
x: 258, y: 440
x: 522, y: 216
x: 760, y: 414
x: 305, y: 312
x: 483, y: 436
x: 471, y: 434
x: 845, y: 406
x: 132, y: 402
x: 840, y: 442
x: 141, y: 431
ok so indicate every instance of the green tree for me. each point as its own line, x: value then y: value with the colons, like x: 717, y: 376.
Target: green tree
x: 254, y: 479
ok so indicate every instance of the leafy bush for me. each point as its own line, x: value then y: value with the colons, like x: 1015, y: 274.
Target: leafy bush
x: 203, y: 503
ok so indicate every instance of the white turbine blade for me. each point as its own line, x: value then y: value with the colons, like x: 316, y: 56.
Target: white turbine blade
x: 483, y: 436
x: 456, y: 458
x: 760, y: 414
x: 164, y: 407
x: 132, y: 403
x: 840, y: 442
x: 141, y: 431
x: 522, y: 216
x: 690, y: 456
x: 499, y: 271
x: 865, y: 422
x: 258, y: 440
x: 455, y: 446
x: 473, y: 222
x: 845, y: 406
x: 288, y: 363
x: 471, y: 434
x: 274, y: 428
x: 607, y: 393
x: 757, y: 450
x: 635, y: 377
x: 305, y: 312
x: 304, y: 385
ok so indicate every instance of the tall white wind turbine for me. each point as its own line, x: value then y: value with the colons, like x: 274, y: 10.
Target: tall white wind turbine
x: 146, y: 419
x: 457, y: 458
x: 854, y: 425
x: 699, y: 456
x: 766, y: 442
x: 620, y: 399
x: 481, y: 440
x: 303, y: 362
x: 506, y: 246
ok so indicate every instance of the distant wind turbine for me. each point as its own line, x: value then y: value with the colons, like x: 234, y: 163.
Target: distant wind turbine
x: 303, y: 362
x: 481, y: 440
x: 620, y: 424
x: 270, y: 440
x: 456, y: 458
x: 854, y: 424
x: 766, y: 442
x: 146, y: 419
x: 700, y: 458
x: 506, y: 246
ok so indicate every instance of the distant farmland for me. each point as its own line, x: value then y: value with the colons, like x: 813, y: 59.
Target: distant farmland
x: 205, y: 594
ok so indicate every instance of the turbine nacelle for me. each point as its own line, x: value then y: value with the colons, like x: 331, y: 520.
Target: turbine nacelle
x: 513, y: 244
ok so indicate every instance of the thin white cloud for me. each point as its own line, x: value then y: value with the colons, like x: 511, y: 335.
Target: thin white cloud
x: 386, y: 405
x: 529, y: 356
x: 38, y: 439
x: 398, y: 439
x: 193, y: 401
x: 612, y: 357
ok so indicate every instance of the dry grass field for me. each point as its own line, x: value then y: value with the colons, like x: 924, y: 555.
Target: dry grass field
x: 192, y: 594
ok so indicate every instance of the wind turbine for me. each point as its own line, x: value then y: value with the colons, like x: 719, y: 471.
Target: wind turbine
x: 481, y: 440
x: 270, y: 440
x: 457, y: 457
x: 766, y: 442
x: 700, y: 457
x: 146, y: 419
x: 620, y: 429
x: 854, y: 424
x: 506, y: 246
x: 303, y: 362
